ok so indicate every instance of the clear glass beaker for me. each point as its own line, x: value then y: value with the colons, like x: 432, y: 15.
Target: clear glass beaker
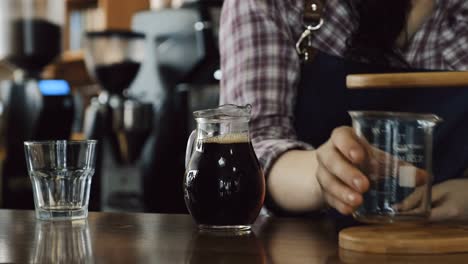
x: 398, y: 165
x: 224, y: 187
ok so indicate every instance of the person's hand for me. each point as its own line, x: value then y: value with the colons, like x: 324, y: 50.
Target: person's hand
x: 341, y: 181
x: 342, y: 162
x: 449, y: 200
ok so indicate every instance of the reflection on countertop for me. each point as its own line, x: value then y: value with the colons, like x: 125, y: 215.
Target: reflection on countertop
x: 297, y: 240
x: 224, y: 248
x: 155, y: 238
x: 62, y: 242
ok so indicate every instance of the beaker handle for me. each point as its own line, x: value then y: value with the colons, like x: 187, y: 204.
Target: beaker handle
x: 189, y: 150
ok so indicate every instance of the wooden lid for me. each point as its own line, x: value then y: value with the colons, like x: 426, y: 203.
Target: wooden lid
x: 407, y: 80
x: 411, y: 239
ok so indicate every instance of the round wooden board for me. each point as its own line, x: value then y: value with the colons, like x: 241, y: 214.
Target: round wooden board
x: 408, y: 80
x: 416, y: 239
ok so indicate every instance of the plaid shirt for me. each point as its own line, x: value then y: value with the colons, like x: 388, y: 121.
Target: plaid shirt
x: 260, y: 66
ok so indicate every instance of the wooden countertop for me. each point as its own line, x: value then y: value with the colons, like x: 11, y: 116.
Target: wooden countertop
x: 152, y: 238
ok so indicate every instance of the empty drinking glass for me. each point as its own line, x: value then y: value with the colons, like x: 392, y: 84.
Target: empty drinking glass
x: 60, y: 173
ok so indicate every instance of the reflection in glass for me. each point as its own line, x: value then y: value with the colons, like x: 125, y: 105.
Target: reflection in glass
x: 62, y: 242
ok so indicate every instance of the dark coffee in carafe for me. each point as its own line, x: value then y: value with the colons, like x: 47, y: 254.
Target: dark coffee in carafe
x: 224, y: 184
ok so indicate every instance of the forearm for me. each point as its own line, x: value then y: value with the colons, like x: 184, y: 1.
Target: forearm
x: 292, y: 182
x: 421, y: 11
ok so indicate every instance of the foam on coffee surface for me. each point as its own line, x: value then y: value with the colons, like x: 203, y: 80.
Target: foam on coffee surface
x: 228, y: 139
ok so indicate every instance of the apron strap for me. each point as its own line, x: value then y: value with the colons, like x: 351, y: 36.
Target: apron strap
x: 312, y: 20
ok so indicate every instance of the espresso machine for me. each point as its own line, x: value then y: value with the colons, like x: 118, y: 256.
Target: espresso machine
x: 34, y: 109
x: 181, y: 75
x: 119, y: 120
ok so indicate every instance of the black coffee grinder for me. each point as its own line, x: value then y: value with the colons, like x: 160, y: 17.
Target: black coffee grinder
x: 181, y: 75
x: 30, y: 38
x: 120, y: 122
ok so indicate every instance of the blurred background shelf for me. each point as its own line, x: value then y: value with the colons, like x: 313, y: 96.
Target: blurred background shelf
x: 80, y: 4
x: 117, y: 14
x: 71, y: 67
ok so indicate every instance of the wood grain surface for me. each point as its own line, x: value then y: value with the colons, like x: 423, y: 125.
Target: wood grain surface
x: 407, y: 80
x: 152, y: 238
x: 413, y: 239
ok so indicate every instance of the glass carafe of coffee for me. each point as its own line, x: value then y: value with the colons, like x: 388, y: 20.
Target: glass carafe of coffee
x: 224, y: 187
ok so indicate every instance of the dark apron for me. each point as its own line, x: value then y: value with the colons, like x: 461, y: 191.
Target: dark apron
x: 323, y: 101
